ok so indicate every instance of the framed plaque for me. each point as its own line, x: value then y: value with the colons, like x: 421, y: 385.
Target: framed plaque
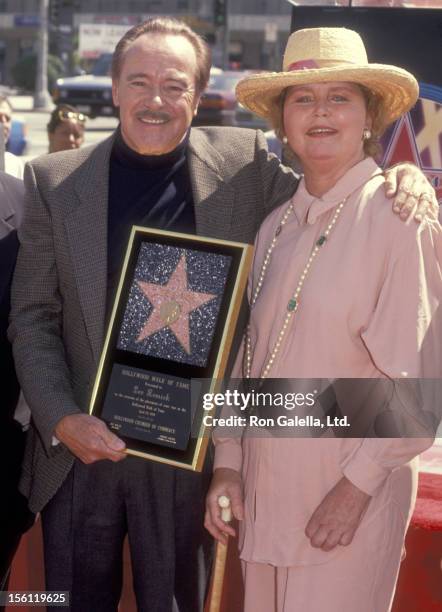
x: 168, y: 342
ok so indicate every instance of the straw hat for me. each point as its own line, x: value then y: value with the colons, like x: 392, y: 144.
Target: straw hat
x: 318, y: 55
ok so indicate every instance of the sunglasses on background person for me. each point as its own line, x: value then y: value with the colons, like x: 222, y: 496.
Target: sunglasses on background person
x: 67, y: 115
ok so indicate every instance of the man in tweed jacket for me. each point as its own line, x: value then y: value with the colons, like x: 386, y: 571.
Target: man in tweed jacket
x: 74, y: 470
x: 14, y: 516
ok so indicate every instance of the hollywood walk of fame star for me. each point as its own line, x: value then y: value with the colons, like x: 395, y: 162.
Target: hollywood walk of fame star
x: 419, y: 144
x: 172, y: 303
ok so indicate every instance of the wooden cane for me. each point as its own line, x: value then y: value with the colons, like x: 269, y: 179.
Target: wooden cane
x: 220, y: 558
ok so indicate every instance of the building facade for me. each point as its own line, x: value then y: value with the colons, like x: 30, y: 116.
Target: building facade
x: 258, y: 29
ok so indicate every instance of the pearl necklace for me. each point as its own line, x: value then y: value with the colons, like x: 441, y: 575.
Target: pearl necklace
x: 293, y: 303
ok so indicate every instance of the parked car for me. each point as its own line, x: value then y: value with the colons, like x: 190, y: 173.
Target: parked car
x: 218, y: 105
x: 18, y: 142
x: 90, y: 93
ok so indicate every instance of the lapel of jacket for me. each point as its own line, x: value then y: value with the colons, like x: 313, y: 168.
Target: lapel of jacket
x: 213, y: 198
x: 86, y: 228
x: 8, y: 216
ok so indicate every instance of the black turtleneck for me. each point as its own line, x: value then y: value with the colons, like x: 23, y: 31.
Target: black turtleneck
x: 149, y: 190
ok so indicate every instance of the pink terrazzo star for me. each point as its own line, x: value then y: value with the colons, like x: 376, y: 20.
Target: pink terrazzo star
x: 172, y: 303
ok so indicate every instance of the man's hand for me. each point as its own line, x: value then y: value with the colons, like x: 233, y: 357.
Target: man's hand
x: 89, y: 439
x: 337, y: 517
x: 224, y: 482
x: 412, y: 192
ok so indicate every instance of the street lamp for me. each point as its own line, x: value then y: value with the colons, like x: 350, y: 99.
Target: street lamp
x: 42, y: 98
x: 221, y: 19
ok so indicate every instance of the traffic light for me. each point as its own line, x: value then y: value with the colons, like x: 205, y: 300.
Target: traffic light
x: 54, y: 11
x: 219, y: 13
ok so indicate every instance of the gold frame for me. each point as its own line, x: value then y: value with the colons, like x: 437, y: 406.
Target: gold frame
x: 227, y: 336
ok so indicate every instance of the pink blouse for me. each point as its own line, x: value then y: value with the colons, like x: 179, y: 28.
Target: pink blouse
x: 369, y: 308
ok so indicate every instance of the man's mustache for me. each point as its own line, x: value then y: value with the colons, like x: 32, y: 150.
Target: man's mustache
x: 155, y: 116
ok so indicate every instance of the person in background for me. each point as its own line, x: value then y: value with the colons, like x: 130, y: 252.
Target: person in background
x: 65, y: 128
x: 12, y: 164
x: 339, y: 290
x: 15, y: 517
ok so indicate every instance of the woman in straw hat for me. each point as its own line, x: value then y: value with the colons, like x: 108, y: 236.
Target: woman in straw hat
x: 339, y: 289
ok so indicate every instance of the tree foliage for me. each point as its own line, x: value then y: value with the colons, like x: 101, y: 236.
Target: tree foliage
x: 25, y: 70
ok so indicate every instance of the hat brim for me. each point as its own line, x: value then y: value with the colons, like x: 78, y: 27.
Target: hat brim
x: 397, y: 88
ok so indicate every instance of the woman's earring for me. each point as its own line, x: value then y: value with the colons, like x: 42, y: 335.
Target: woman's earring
x: 284, y: 140
x: 366, y: 134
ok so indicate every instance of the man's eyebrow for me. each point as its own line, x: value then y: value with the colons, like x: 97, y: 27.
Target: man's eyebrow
x: 176, y: 77
x: 136, y: 75
x: 142, y: 75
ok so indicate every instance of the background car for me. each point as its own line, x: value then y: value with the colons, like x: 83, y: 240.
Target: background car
x: 17, y: 142
x: 218, y: 105
x: 91, y: 93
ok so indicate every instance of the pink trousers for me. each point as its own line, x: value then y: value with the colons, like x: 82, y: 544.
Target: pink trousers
x: 355, y: 581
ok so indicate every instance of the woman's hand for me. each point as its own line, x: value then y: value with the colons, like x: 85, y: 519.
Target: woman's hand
x: 226, y: 482
x: 337, y: 517
x: 412, y: 192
